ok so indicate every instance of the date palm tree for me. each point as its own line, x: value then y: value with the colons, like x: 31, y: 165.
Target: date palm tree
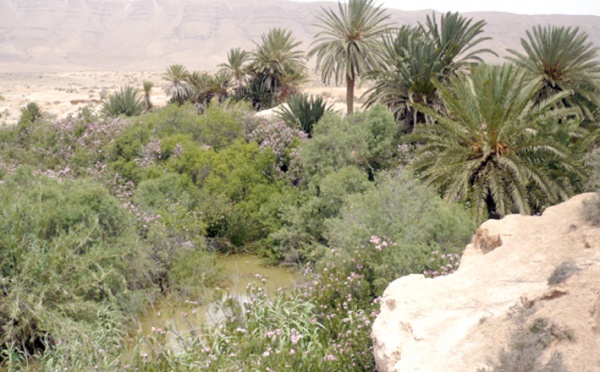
x: 455, y: 39
x: 413, y: 58
x: 565, y: 61
x: 236, y: 67
x: 277, y: 67
x: 349, y: 43
x: 410, y: 66
x: 178, y: 89
x: 492, y: 148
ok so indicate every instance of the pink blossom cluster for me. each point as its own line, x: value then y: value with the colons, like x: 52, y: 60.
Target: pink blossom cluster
x: 442, y: 264
x: 149, y: 154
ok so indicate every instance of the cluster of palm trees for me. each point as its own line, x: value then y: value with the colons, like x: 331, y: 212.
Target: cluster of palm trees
x: 502, y: 139
x: 265, y: 76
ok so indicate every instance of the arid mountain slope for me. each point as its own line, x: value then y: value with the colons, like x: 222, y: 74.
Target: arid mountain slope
x: 67, y: 35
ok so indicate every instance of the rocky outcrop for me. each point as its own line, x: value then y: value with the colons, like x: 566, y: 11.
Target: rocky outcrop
x: 460, y: 322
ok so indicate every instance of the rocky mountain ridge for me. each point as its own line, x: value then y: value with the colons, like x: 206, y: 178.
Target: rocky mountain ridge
x: 68, y: 35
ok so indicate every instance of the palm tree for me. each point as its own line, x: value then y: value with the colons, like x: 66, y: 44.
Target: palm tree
x: 178, y: 89
x: 147, y: 89
x: 492, y: 148
x: 205, y: 86
x: 413, y: 58
x: 349, y: 43
x: 236, y: 67
x: 303, y: 112
x: 31, y: 112
x: 455, y: 38
x: 410, y: 65
x: 277, y: 66
x: 127, y: 102
x: 565, y: 61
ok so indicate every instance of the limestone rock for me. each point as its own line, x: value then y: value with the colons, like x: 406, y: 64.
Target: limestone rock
x: 460, y: 322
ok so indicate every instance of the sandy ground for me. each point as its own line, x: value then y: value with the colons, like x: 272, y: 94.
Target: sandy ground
x: 61, y: 94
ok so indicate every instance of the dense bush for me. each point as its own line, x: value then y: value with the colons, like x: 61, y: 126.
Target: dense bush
x: 407, y: 214
x: 368, y: 140
x: 70, y: 253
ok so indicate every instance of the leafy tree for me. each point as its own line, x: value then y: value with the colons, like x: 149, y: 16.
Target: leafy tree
x: 493, y: 149
x: 178, y: 89
x: 303, y: 112
x: 350, y: 43
x: 565, y: 61
x: 277, y: 68
x: 127, y: 102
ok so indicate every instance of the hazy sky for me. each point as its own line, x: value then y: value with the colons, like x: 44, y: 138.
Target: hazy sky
x: 587, y: 7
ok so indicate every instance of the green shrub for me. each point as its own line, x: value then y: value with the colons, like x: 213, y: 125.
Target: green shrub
x: 368, y: 140
x: 405, y: 212
x: 304, y: 214
x: 69, y: 253
x: 31, y: 113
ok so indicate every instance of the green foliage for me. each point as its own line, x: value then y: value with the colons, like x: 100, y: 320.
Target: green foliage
x: 303, y: 112
x: 410, y: 217
x: 415, y: 57
x: 301, y: 237
x: 127, y: 102
x: 368, y: 140
x: 236, y: 67
x: 496, y: 151
x: 69, y: 254
x: 147, y: 89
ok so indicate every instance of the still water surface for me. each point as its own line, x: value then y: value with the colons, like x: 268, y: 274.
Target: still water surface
x: 182, y: 319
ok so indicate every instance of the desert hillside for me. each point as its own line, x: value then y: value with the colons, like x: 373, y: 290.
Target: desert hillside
x: 72, y: 35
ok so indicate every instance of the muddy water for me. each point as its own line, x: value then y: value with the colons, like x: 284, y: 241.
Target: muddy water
x: 177, y: 320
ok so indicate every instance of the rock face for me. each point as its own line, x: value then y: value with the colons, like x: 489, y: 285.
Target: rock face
x: 460, y: 322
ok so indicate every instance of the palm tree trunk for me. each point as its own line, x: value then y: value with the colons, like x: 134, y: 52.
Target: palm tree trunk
x: 350, y: 95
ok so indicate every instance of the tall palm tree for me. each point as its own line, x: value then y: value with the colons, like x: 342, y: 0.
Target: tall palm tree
x: 492, y: 148
x: 349, y: 43
x: 565, y: 61
x: 178, y: 89
x: 277, y: 66
x: 236, y: 67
